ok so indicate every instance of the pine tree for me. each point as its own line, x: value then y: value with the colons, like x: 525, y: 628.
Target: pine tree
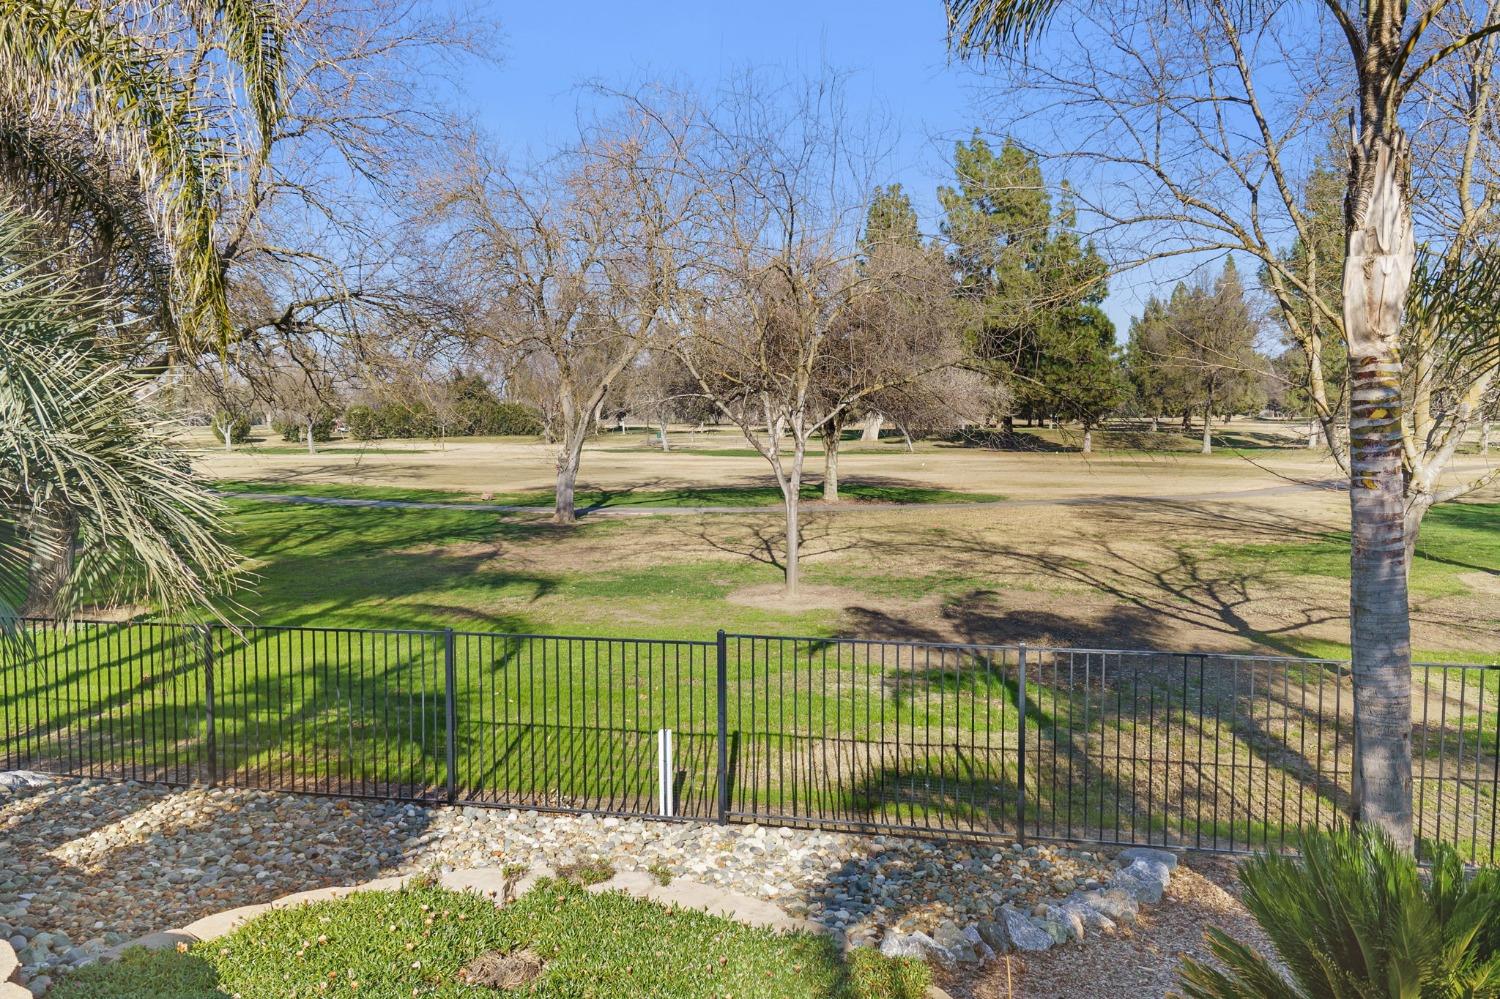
x: 1036, y: 286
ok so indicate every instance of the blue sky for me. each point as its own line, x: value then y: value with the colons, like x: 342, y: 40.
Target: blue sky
x: 894, y: 52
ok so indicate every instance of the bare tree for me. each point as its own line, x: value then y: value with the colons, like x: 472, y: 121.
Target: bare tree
x: 900, y: 332
x: 780, y: 330
x: 574, y: 267
x: 296, y: 385
x: 661, y: 388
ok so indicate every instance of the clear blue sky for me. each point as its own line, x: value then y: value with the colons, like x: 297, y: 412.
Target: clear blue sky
x: 894, y: 50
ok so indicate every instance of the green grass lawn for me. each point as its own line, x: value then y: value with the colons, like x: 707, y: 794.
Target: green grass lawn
x: 586, y: 499
x: 1457, y: 539
x: 394, y: 945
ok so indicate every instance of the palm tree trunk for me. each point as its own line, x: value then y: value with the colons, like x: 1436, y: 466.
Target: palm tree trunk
x: 54, y: 544
x: 1380, y: 253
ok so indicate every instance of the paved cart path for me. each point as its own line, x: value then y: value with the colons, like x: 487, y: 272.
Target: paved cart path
x: 848, y: 506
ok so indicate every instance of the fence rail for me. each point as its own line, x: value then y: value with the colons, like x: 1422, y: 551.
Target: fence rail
x: 1213, y: 751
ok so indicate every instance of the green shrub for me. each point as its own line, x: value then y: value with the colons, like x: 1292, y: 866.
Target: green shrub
x: 296, y: 431
x: 493, y: 418
x: 363, y: 423
x: 1354, y: 918
x: 238, y: 424
x: 473, y: 416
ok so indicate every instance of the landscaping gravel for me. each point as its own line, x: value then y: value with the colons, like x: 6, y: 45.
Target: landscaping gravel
x: 89, y: 864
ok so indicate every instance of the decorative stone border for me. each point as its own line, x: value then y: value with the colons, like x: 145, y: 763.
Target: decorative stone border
x: 10, y: 970
x: 1141, y: 877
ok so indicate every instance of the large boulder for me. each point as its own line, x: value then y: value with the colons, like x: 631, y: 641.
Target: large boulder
x: 1144, y: 879
x: 917, y: 944
x: 1024, y: 932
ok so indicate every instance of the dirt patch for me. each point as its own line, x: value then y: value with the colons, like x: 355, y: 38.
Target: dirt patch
x: 494, y: 970
x: 1482, y: 583
x: 773, y: 597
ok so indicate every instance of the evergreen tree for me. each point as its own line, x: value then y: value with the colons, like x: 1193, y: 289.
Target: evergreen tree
x: 891, y: 220
x: 1196, y: 353
x: 1319, y: 262
x: 1036, y: 285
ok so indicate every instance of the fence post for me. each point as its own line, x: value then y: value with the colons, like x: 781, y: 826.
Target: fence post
x: 451, y: 714
x: 722, y: 683
x: 1021, y: 745
x: 208, y: 705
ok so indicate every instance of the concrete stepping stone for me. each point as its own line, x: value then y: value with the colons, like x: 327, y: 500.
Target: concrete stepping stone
x: 226, y: 922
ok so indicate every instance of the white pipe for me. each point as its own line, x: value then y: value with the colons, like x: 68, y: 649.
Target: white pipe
x: 665, y: 772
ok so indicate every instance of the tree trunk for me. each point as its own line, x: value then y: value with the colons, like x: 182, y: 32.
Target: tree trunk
x: 906, y: 436
x: 569, y: 458
x: 1484, y: 437
x: 665, y: 446
x: 1088, y: 440
x: 831, y: 436
x: 873, y: 423
x: 1312, y: 434
x: 1008, y: 424
x: 228, y: 437
x: 791, y: 494
x: 1208, y: 426
x: 1380, y: 253
x: 310, y: 448
x: 54, y: 545
x: 1187, y: 420
x: 1156, y: 423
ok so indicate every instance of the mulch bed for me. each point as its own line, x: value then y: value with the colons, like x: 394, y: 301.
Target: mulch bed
x: 1142, y: 963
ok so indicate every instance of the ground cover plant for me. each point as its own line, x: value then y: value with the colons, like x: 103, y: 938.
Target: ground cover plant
x: 414, y: 943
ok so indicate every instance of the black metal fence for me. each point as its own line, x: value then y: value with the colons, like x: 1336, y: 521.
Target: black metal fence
x: 1216, y: 752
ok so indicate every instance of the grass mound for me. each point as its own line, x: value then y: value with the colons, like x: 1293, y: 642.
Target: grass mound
x: 418, y: 942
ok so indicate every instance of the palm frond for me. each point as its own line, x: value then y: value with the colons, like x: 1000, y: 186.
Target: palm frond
x: 66, y: 62
x: 1454, y: 303
x: 93, y: 489
x: 988, y: 27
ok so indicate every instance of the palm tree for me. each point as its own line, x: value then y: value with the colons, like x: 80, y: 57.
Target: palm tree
x: 1386, y: 44
x: 97, y: 503
x: 121, y: 127
x: 119, y: 119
